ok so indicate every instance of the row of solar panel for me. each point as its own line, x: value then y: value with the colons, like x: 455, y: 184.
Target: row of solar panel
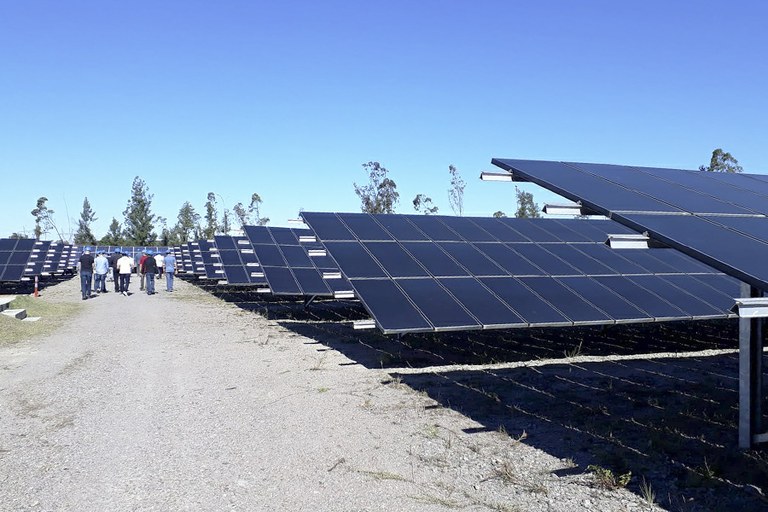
x: 424, y: 273
x: 718, y: 218
x: 420, y: 273
x: 22, y: 259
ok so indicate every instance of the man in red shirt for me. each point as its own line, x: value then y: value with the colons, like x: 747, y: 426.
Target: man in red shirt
x: 141, y: 270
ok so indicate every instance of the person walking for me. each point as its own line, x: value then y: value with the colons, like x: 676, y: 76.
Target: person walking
x: 113, y: 259
x: 140, y: 270
x: 149, y: 268
x: 169, y: 262
x: 101, y: 269
x: 86, y: 272
x: 124, y: 268
x: 159, y: 260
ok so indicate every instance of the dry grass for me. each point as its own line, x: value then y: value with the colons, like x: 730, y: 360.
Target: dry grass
x: 52, y: 315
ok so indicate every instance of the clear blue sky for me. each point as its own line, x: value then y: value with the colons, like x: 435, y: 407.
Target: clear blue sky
x: 289, y: 98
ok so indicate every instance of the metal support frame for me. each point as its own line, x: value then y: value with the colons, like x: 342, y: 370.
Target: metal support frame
x: 751, y: 341
x: 309, y: 301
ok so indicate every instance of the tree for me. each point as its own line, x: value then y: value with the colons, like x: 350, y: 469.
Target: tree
x: 17, y: 235
x: 254, y: 210
x: 456, y: 192
x: 423, y: 204
x: 211, y: 221
x: 138, y: 227
x: 43, y: 219
x: 499, y: 214
x: 722, y: 162
x: 526, y: 208
x: 114, y: 236
x: 241, y: 215
x: 380, y: 194
x: 187, y: 224
x: 226, y: 224
x: 84, y: 235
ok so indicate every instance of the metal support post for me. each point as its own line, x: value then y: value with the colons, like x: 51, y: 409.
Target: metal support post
x: 751, y: 334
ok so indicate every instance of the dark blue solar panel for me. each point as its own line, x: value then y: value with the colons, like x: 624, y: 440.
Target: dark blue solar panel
x: 364, y: 227
x: 12, y: 273
x: 401, y: 228
x: 592, y: 291
x: 577, y: 258
x: 395, y: 260
x: 467, y: 229
x: 500, y: 230
x: 643, y: 299
x: 508, y: 259
x: 684, y: 198
x: 568, y: 302
x: 236, y: 275
x: 434, y: 259
x: 296, y: 256
x: 225, y: 242
x: 611, y: 258
x: 258, y: 235
x: 390, y: 308
x: 354, y: 260
x: 311, y: 282
x: 688, y: 302
x: 282, y: 279
x: 284, y: 236
x: 269, y: 255
x: 530, y: 229
x: 25, y: 244
x: 577, y: 185
x: 545, y: 260
x: 472, y: 259
x: 7, y: 244
x: 327, y: 226
x: 482, y: 303
x: 435, y: 229
x: 440, y: 308
x: 533, y: 309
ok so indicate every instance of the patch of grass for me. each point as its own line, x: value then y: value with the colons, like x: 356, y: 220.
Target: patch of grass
x: 323, y: 389
x: 607, y: 479
x: 52, y: 315
x: 574, y: 352
x: 647, y: 493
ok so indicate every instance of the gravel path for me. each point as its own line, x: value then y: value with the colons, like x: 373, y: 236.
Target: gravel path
x: 184, y: 402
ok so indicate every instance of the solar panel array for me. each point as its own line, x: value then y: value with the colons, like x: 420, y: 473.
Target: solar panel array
x: 293, y: 267
x: 719, y: 218
x: 14, y: 255
x: 428, y: 273
x: 238, y: 261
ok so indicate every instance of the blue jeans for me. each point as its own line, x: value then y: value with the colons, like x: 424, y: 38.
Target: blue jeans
x: 100, y: 283
x: 125, y: 281
x: 169, y: 280
x: 150, y: 283
x: 85, y: 283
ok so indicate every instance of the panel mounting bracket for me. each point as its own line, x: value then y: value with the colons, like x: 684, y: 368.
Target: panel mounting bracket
x: 752, y: 308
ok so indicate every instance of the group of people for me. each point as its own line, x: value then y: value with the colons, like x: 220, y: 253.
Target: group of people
x: 94, y: 271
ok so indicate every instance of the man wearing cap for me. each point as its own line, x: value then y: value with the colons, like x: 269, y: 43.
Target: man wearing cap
x: 86, y: 272
x: 100, y: 269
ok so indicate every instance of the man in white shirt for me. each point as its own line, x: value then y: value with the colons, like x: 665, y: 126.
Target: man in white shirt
x: 124, y: 268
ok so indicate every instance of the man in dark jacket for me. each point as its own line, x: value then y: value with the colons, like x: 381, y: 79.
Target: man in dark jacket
x: 149, y: 269
x: 113, y: 263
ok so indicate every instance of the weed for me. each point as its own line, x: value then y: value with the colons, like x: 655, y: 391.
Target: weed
x: 319, y: 363
x: 383, y: 475
x: 322, y: 389
x: 609, y: 480
x: 431, y: 431
x: 646, y: 491
x: 574, y: 352
x: 506, y: 472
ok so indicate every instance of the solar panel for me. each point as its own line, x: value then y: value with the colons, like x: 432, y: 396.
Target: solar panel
x: 449, y: 273
x: 721, y: 231
x: 238, y: 261
x: 286, y: 262
x: 14, y: 257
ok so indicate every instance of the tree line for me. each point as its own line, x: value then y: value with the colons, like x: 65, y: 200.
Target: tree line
x: 140, y: 226
x: 378, y: 195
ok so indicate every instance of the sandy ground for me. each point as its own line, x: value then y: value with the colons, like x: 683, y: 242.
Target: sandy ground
x: 183, y: 401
